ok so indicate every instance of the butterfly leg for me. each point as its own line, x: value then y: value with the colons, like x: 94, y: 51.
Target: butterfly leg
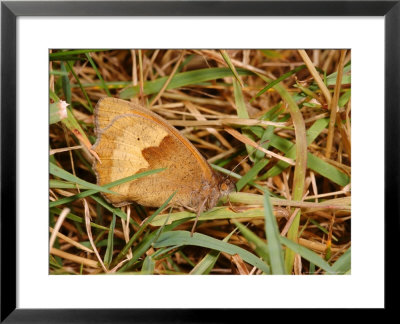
x: 231, y: 207
x: 199, y: 211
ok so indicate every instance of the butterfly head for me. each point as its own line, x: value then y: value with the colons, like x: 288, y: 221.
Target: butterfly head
x: 226, y: 186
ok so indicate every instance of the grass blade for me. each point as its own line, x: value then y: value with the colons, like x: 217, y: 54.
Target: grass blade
x: 272, y: 232
x: 313, y: 162
x: 267, y: 133
x: 103, y: 84
x: 307, y: 254
x: 181, y: 80
x: 71, y: 69
x: 260, y: 247
x: 76, y: 218
x: 300, y: 167
x: 148, y: 265
x: 61, y: 173
x: 208, y: 262
x: 184, y: 238
x: 217, y: 213
x: 145, y: 244
x: 275, y: 82
x: 251, y: 174
x: 71, y: 55
x: 73, y: 125
x: 331, y: 78
x: 290, y: 149
x: 128, y: 245
x: 66, y: 85
x: 59, y: 184
x: 242, y: 113
x: 110, y: 243
x: 109, y: 185
x: 343, y: 264
x: 114, y: 210
x: 228, y: 61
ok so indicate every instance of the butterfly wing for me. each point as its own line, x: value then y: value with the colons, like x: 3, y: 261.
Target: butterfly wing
x: 138, y: 140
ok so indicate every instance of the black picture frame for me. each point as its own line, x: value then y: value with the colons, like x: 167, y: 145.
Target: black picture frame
x: 10, y: 10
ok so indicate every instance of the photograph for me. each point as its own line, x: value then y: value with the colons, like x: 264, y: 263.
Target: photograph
x: 199, y: 161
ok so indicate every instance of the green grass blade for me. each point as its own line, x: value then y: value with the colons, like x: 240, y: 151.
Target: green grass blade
x: 344, y: 99
x: 290, y: 149
x: 346, y: 79
x: 184, y: 238
x: 267, y: 133
x: 219, y: 213
x: 109, y: 84
x: 228, y: 61
x: 260, y: 247
x: 208, y: 262
x: 109, y: 185
x: 271, y: 54
x: 327, y: 170
x: 216, y: 213
x: 148, y: 265
x: 58, y: 73
x: 313, y: 162
x: 139, y: 250
x: 113, y: 210
x: 53, y: 96
x: 323, y: 229
x: 103, y: 84
x: 59, y: 184
x: 300, y: 168
x: 71, y: 55
x: 308, y: 92
x: 66, y: 85
x: 181, y: 80
x: 76, y: 218
x: 343, y: 264
x: 132, y: 240
x: 73, y: 125
x: 307, y: 254
x: 239, y: 101
x: 251, y: 174
x: 273, y: 235
x: 315, y: 130
x: 164, y: 252
x: 61, y: 173
x: 275, y: 82
x: 110, y: 243
x: 145, y: 244
x: 242, y: 113
x: 71, y: 69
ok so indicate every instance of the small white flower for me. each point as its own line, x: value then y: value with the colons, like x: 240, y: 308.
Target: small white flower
x: 62, y: 109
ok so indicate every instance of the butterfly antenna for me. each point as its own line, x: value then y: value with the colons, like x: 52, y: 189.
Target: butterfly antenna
x: 246, y: 157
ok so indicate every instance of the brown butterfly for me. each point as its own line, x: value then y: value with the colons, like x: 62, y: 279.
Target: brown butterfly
x: 132, y: 139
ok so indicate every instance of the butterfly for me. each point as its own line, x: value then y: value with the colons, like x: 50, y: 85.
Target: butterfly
x: 131, y: 139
